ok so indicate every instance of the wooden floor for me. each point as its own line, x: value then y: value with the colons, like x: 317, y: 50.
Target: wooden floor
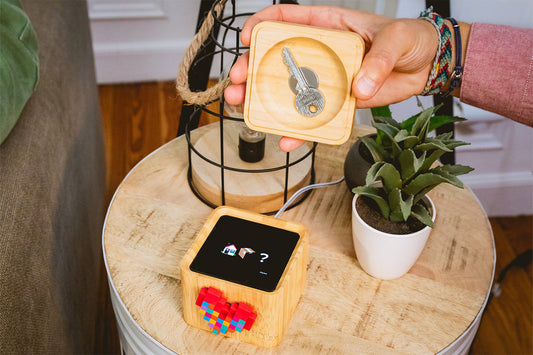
x: 139, y: 118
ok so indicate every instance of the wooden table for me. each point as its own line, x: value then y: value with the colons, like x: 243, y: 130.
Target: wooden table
x: 436, y: 307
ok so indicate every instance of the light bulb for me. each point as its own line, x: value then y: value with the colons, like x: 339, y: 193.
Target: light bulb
x: 251, y: 144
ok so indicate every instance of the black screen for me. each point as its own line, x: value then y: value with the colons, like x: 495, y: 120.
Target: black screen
x: 245, y: 252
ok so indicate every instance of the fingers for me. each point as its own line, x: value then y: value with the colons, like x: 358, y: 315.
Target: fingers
x: 397, y: 88
x: 288, y: 144
x: 239, y: 71
x: 320, y: 16
x: 235, y: 93
x: 379, y: 62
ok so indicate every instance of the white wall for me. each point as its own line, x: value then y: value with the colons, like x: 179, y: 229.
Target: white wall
x: 140, y: 40
x: 144, y: 40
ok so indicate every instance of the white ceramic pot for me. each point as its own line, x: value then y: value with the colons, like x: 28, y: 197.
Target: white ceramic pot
x: 383, y: 255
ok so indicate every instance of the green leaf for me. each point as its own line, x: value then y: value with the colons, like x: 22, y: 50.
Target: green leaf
x: 371, y: 174
x: 431, y: 159
x: 377, y: 151
x: 409, y: 163
x: 374, y: 194
x: 386, y: 133
x: 389, y: 175
x: 408, y: 141
x: 431, y: 179
x: 408, y: 123
x: 446, y: 173
x: 447, y: 140
x: 451, y: 144
x: 387, y: 120
x: 420, y: 212
x: 445, y: 136
x: 388, y: 129
x: 382, y: 111
x: 19, y: 63
x: 420, y: 127
x: 454, y: 170
x: 440, y: 120
x: 431, y: 144
x: 400, y: 209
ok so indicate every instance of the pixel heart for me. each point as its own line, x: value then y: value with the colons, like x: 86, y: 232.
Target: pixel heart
x: 223, y: 316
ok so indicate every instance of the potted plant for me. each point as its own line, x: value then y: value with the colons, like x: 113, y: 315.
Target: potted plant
x: 391, y: 214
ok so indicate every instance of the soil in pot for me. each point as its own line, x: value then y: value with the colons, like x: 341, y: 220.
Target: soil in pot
x: 369, y: 212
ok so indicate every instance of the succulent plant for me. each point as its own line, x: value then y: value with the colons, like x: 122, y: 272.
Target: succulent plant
x: 404, y: 156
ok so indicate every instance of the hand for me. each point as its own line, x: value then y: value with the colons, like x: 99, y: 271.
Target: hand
x: 399, y: 58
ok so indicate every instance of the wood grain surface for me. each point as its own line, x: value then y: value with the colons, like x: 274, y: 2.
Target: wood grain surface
x: 335, y: 57
x: 507, y: 324
x: 154, y: 218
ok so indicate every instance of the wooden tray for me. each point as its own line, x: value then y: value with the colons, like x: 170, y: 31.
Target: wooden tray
x: 335, y: 56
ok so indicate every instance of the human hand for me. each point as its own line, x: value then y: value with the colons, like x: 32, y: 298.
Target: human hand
x: 399, y: 58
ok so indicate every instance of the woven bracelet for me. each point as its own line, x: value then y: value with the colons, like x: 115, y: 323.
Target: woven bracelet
x: 441, y: 65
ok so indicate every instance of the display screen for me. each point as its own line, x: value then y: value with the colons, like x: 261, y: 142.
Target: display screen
x: 245, y: 252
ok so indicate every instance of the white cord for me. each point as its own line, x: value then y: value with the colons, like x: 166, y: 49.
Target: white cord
x: 304, y: 189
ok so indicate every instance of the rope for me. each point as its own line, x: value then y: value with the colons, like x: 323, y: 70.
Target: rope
x: 182, y: 82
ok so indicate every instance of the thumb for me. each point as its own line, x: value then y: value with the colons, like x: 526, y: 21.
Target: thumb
x: 385, y: 51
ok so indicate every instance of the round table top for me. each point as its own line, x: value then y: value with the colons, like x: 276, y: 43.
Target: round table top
x: 154, y: 217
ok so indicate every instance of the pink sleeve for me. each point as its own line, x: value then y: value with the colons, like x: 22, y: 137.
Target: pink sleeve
x: 498, y: 71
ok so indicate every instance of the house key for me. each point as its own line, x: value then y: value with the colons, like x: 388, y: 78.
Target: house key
x: 309, y: 101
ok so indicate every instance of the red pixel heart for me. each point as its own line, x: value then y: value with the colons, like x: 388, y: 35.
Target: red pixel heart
x: 222, y: 316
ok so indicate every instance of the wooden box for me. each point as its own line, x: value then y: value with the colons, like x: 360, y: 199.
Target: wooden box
x: 274, y: 308
x: 335, y: 56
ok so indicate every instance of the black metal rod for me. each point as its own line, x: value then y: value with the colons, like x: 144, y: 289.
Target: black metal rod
x: 222, y: 167
x: 442, y: 7
x: 286, y: 189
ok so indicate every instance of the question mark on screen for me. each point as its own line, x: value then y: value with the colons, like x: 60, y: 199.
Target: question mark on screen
x: 264, y: 256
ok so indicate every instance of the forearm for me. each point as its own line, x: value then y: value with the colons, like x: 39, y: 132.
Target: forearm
x: 498, y: 71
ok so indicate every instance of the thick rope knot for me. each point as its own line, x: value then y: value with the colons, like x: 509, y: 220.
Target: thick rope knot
x: 182, y: 82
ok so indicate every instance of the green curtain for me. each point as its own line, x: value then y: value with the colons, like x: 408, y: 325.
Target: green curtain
x: 19, y: 63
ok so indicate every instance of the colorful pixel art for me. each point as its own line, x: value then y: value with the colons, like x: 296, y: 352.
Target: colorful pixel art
x: 244, y: 251
x: 222, y: 316
x: 229, y: 249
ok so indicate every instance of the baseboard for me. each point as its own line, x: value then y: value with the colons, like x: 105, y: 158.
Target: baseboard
x: 503, y: 194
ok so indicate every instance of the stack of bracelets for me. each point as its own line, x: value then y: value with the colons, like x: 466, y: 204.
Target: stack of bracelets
x: 441, y: 76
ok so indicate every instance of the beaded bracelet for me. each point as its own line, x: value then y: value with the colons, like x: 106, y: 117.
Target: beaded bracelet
x: 441, y: 65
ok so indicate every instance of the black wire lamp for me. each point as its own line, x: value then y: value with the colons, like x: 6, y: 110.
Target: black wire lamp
x: 229, y: 164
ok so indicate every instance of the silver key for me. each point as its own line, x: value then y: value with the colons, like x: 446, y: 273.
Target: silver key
x: 309, y: 101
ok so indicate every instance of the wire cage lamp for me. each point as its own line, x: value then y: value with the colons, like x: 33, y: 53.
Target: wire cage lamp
x: 229, y: 164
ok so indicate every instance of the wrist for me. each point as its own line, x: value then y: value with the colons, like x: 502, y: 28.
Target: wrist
x: 446, y: 74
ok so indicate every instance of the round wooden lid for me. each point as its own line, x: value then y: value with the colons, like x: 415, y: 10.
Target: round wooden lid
x: 259, y: 192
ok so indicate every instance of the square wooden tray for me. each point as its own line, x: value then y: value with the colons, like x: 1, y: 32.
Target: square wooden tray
x: 335, y: 56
